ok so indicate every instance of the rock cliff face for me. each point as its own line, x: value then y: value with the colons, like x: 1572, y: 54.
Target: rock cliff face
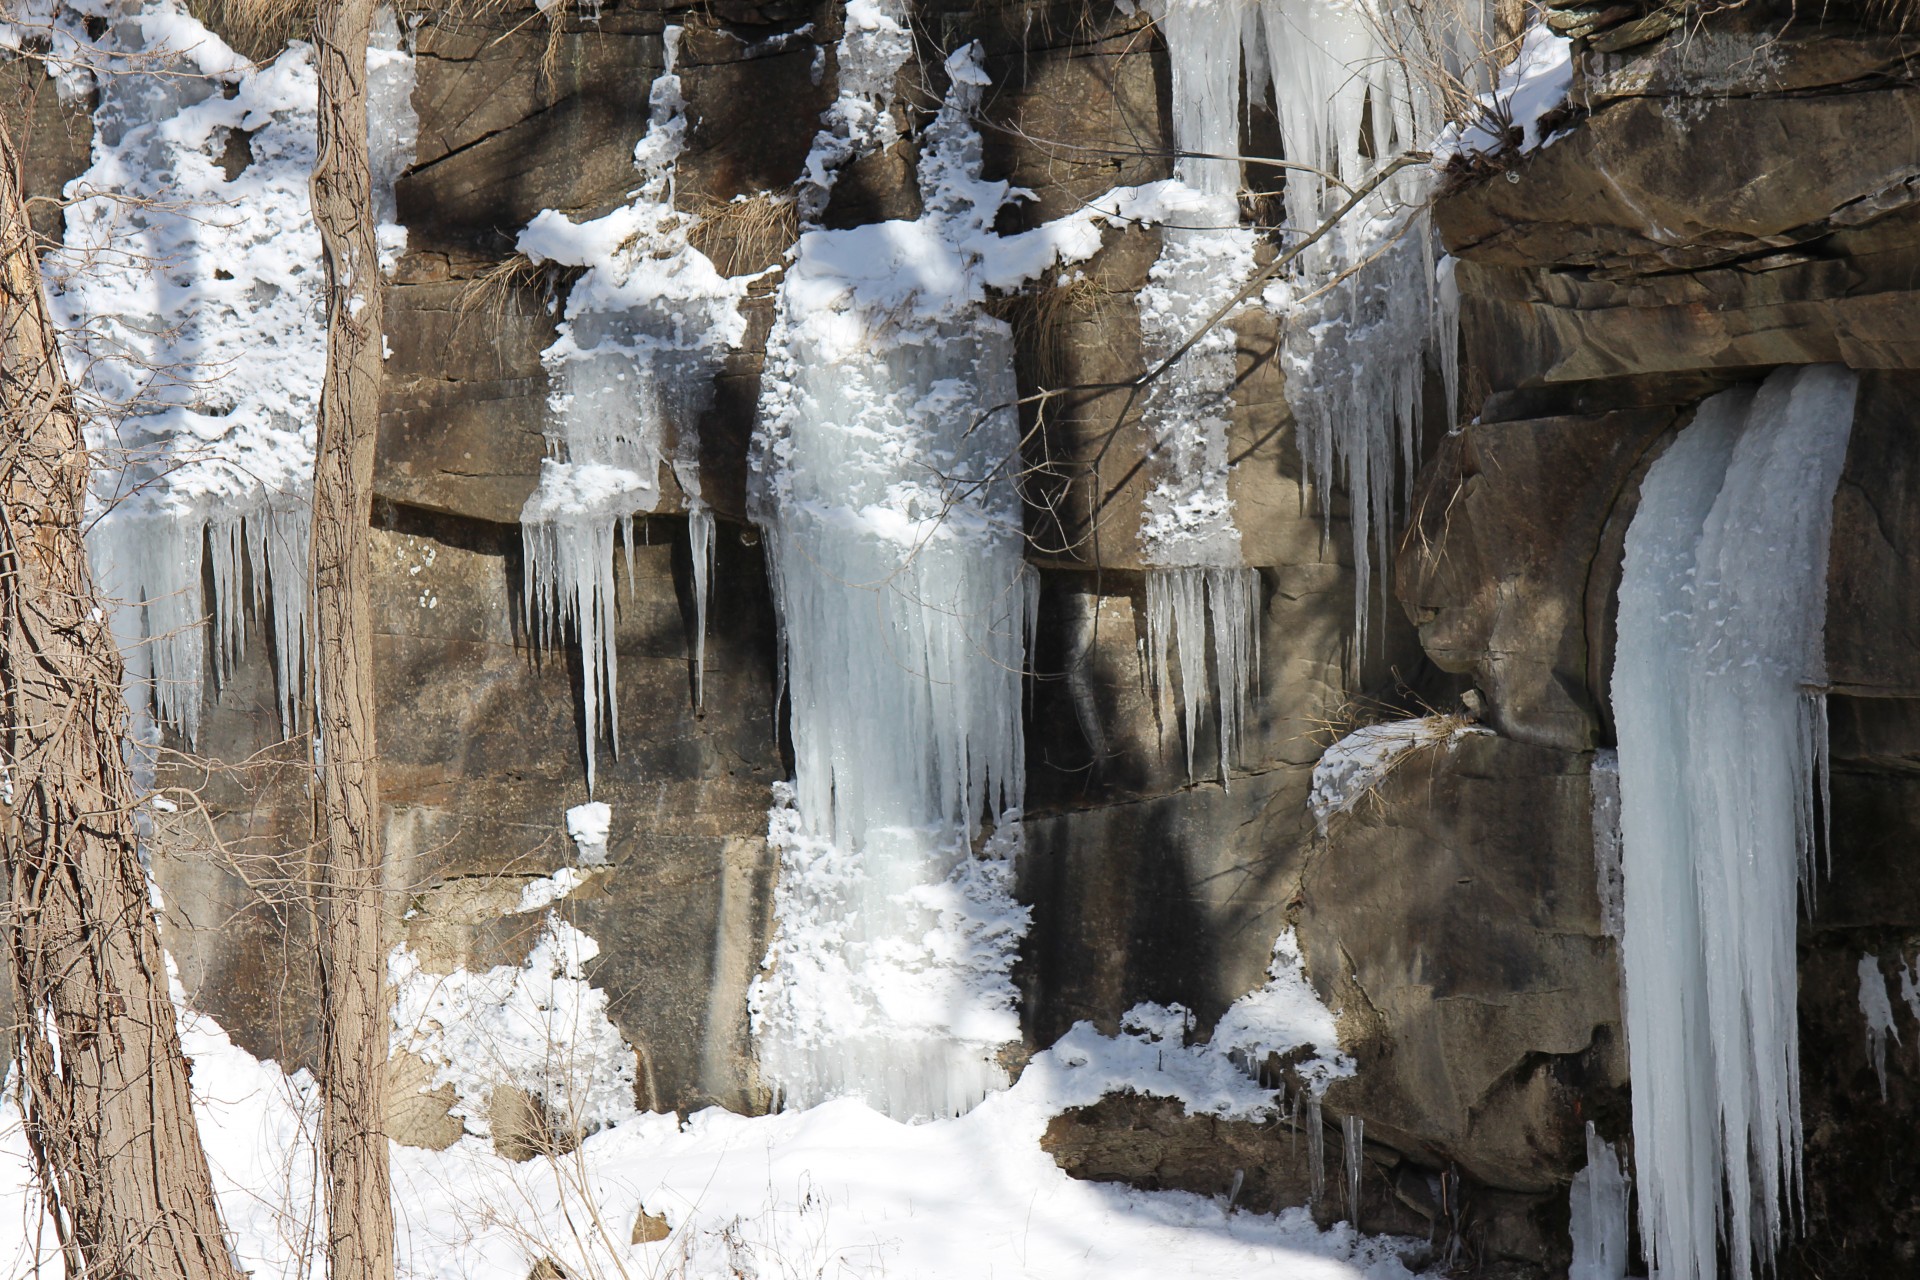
x: 1737, y: 193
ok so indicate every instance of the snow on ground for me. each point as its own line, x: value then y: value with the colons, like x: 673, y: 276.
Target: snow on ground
x: 838, y: 1190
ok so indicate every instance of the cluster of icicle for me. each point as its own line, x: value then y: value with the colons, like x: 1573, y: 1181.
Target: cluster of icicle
x: 646, y: 329
x: 190, y: 300
x: 1362, y: 312
x: 1722, y: 743
x: 894, y: 541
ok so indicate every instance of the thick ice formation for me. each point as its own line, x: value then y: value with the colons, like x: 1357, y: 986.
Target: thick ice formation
x: 1877, y: 1009
x: 1722, y: 610
x: 1363, y: 310
x: 647, y: 327
x: 1598, y: 1199
x: 1187, y: 534
x: 189, y: 290
x: 893, y: 534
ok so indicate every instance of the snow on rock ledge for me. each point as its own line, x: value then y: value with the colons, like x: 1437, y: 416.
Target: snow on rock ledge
x: 1361, y: 761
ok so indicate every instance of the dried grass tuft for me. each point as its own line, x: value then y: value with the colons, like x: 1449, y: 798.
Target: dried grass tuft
x: 256, y: 29
x: 743, y: 235
x: 1045, y: 319
x: 488, y: 292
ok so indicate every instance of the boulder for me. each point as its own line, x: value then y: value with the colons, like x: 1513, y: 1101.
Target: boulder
x: 1452, y: 921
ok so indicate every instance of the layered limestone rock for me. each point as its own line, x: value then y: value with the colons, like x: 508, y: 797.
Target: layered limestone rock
x: 1726, y: 199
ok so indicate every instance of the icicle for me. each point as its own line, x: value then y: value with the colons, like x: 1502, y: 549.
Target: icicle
x: 647, y: 328
x: 894, y: 542
x: 206, y: 406
x: 1598, y: 1199
x: 225, y: 567
x: 278, y: 539
x: 1316, y: 1152
x: 1603, y: 779
x: 1366, y: 309
x: 207, y: 431
x: 1877, y: 1009
x: 1183, y: 605
x: 569, y: 553
x: 700, y: 546
x: 1352, y: 1137
x: 1722, y: 605
x: 393, y: 130
x: 148, y: 565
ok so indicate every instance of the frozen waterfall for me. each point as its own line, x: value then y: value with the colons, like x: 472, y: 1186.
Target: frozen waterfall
x: 647, y: 327
x: 1365, y: 312
x: 1722, y: 742
x: 1196, y: 582
x: 1362, y: 312
x: 188, y: 293
x: 894, y: 538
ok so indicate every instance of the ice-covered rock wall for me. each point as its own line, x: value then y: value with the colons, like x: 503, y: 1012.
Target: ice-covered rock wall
x: 1722, y: 744
x: 1361, y: 310
x: 189, y: 289
x: 647, y: 326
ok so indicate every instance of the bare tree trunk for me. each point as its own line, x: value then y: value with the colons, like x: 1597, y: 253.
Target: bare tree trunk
x: 351, y: 909
x: 103, y: 1079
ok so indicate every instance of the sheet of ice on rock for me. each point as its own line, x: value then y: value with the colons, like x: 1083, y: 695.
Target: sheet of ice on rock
x: 189, y: 290
x: 647, y: 326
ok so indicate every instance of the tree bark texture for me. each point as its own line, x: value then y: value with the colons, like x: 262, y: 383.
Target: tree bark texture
x: 108, y: 1113
x: 351, y: 879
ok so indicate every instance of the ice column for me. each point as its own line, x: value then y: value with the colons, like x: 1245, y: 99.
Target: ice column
x: 1196, y: 581
x: 1352, y: 1144
x: 1598, y: 1199
x: 1722, y: 610
x: 894, y: 539
x: 189, y: 298
x: 647, y: 327
x: 1877, y: 1009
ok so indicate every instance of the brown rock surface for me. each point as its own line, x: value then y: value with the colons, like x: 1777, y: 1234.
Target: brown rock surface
x: 1453, y: 923
x: 1504, y: 539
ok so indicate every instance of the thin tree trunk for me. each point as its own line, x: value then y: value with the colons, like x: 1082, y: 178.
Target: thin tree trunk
x: 351, y: 908
x: 108, y: 1113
